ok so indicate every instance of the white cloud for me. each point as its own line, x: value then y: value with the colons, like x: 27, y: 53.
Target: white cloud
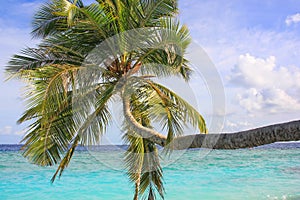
x: 273, y: 100
x: 264, y: 73
x: 269, y: 88
x: 236, y: 125
x: 271, y: 91
x: 292, y: 19
x: 7, y: 130
x: 226, y: 33
x: 251, y: 99
x: 21, y: 133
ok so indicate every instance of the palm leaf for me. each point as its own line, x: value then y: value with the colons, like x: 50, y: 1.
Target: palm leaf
x: 54, y: 17
x: 191, y: 115
x: 151, y: 176
x: 49, y: 105
x: 45, y: 55
x: 141, y: 158
x: 80, y: 65
x: 162, y: 54
x: 154, y: 10
x: 91, y: 128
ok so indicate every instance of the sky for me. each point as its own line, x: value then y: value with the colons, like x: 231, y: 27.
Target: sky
x: 253, y: 44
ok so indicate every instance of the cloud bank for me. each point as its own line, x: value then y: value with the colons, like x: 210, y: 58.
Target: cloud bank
x: 292, y: 19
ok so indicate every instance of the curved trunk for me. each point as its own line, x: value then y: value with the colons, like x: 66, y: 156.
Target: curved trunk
x: 289, y: 131
x: 145, y: 132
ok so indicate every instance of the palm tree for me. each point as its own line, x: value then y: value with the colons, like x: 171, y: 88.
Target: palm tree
x: 92, y: 55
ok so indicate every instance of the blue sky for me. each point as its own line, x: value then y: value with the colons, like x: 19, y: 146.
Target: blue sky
x: 254, y: 45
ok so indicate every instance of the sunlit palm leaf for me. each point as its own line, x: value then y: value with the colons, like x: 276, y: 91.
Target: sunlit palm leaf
x: 49, y: 104
x: 151, y: 176
x: 154, y: 10
x: 32, y: 58
x: 54, y: 17
x: 91, y: 129
x: 163, y: 55
x: 191, y: 115
x: 79, y: 66
x: 141, y: 158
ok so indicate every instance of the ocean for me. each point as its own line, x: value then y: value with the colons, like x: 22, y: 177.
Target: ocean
x: 267, y: 172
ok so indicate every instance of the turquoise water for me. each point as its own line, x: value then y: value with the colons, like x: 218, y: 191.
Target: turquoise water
x: 271, y: 172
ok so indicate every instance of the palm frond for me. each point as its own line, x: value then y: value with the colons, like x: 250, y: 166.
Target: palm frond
x: 154, y: 10
x: 151, y: 176
x: 141, y: 158
x: 87, y: 55
x: 144, y: 170
x: 89, y: 129
x: 96, y: 21
x: 190, y: 114
x: 47, y: 54
x: 54, y: 17
x: 66, y: 160
x: 93, y: 116
x: 49, y: 106
x: 163, y: 52
x: 134, y: 157
x: 45, y: 143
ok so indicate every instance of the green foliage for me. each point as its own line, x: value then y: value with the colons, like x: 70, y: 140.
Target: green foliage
x: 77, y: 69
x: 141, y: 158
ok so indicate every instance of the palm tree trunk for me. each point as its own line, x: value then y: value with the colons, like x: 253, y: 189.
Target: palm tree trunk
x: 145, y: 132
x: 289, y: 131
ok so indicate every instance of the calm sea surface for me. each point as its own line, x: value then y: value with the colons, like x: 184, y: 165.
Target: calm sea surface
x: 269, y: 172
